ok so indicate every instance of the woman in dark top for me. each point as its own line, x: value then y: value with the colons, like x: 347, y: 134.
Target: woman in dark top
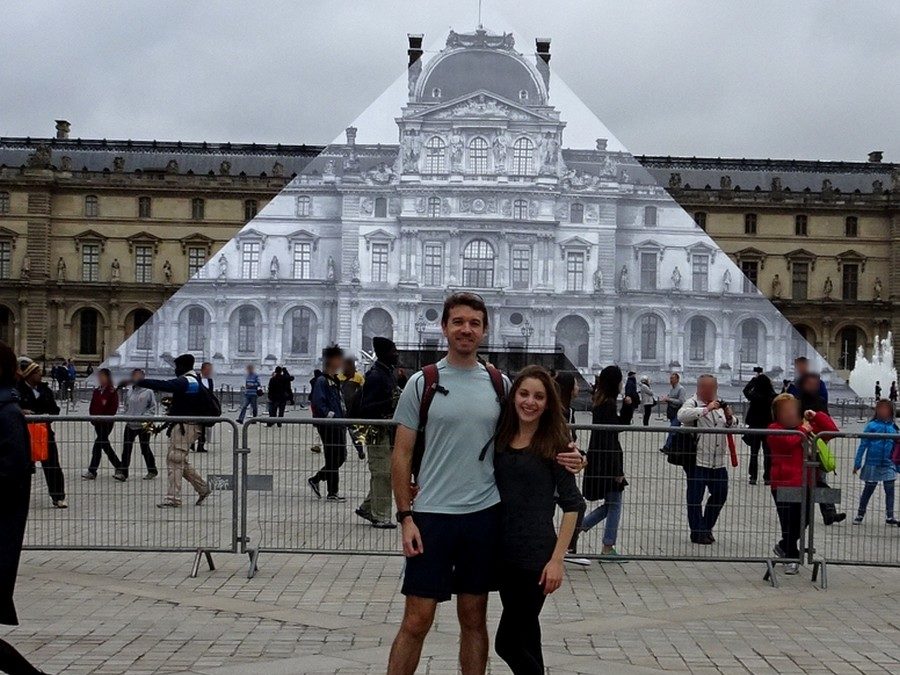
x: 568, y: 391
x: 15, y: 493
x: 532, y: 430
x: 604, y: 477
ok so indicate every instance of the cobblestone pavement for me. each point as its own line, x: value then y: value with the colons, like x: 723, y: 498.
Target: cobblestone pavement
x: 89, y: 612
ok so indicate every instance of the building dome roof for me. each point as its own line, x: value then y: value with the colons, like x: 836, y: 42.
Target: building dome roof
x: 468, y: 68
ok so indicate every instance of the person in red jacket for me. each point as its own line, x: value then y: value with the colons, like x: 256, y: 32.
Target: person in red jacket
x: 788, y: 453
x: 104, y: 401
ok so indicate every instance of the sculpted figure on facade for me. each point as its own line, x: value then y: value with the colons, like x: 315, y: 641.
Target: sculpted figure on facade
x: 828, y: 289
x: 549, y: 153
x: 381, y: 174
x: 223, y: 267
x: 355, y: 271
x: 776, y: 288
x: 331, y: 273
x: 726, y: 281
x: 877, y: 289
x: 676, y: 278
x: 274, y: 267
x: 500, y: 147
x: 167, y: 272
x: 26, y: 267
x: 598, y: 279
x: 61, y: 269
x: 457, y: 146
x: 623, y: 279
x: 412, y: 148
x: 115, y: 270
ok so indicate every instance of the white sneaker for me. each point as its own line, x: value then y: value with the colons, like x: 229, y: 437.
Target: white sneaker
x: 577, y: 560
x: 60, y: 503
x: 792, y: 568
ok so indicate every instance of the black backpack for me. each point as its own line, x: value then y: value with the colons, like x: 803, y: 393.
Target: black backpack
x: 204, y: 402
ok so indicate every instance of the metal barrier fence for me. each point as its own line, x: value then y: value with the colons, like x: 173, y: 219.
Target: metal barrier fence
x: 106, y: 513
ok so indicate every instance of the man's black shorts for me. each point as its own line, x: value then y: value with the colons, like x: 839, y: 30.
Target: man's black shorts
x: 461, y: 555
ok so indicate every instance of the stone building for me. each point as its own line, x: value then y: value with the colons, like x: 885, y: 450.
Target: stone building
x: 366, y: 240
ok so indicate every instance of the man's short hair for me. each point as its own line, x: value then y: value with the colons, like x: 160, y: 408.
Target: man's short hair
x: 707, y: 376
x: 678, y: 375
x: 332, y: 352
x: 468, y: 299
x: 205, y: 363
x: 801, y: 359
x: 137, y: 370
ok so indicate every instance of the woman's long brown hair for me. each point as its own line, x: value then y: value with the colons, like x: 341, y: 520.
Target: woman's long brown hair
x: 552, y: 435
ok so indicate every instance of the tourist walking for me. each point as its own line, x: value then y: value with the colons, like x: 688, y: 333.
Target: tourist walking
x: 788, y: 454
x: 139, y: 402
x: 532, y: 431
x: 892, y: 395
x: 760, y: 393
x: 631, y: 398
x: 189, y: 399
x: 252, y: 389
x: 674, y: 400
x: 351, y: 385
x: 104, y: 402
x: 378, y: 400
x: 708, y: 474
x: 36, y: 398
x: 451, y: 538
x: 206, y: 380
x: 648, y: 399
x: 327, y: 403
x: 874, y: 463
x: 15, y: 496
x: 604, y: 477
x: 277, y: 393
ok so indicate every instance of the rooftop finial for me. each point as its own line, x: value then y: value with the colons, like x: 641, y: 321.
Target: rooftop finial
x: 480, y: 26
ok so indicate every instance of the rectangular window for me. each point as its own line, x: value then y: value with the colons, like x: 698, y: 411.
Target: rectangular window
x: 143, y: 264
x: 801, y: 223
x: 850, y: 274
x: 520, y: 209
x: 700, y: 219
x: 4, y: 202
x: 851, y: 227
x: 648, y: 271
x: 700, y: 273
x: 575, y: 271
x: 800, y: 281
x: 198, y: 209
x: 144, y: 207
x: 302, y: 260
x: 750, y: 223
x: 251, y: 208
x: 250, y: 260
x: 196, y: 260
x: 750, y: 270
x: 91, y: 206
x: 5, y: 259
x: 380, y: 263
x: 433, y: 271
x: 521, y: 268
x: 90, y: 262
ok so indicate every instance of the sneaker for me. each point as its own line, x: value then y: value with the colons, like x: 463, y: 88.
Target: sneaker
x: 891, y: 521
x: 577, y: 560
x: 792, y: 568
x: 168, y: 505
x: 361, y: 453
x: 88, y: 475
x: 836, y: 518
x: 150, y: 475
x: 752, y: 481
x: 857, y: 520
x: 60, y: 503
x: 201, y: 497
x: 779, y: 552
x: 613, y: 556
x: 315, y: 448
x: 335, y: 498
x: 384, y: 524
x: 365, y: 515
x: 121, y: 477
x: 314, y: 484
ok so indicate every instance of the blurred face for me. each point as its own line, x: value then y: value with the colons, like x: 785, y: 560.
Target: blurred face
x: 206, y: 371
x: 250, y: 370
x: 811, y: 385
x: 788, y: 415
x: 34, y: 379
x: 884, y: 412
x: 464, y: 330
x: 137, y: 376
x: 531, y: 400
x: 103, y: 379
x: 349, y: 367
x: 707, y: 389
x: 801, y: 367
x: 673, y: 379
x: 333, y: 364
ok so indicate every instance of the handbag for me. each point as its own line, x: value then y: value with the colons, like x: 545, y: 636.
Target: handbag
x: 682, y: 451
x: 40, y: 441
x: 826, y: 457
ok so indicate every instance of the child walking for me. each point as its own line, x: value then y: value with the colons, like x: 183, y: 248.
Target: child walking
x: 874, y: 464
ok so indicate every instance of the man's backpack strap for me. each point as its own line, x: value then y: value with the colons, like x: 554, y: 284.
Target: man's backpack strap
x: 499, y: 389
x: 430, y: 380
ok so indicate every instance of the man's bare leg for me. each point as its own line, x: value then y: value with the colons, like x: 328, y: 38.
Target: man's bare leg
x: 418, y: 615
x: 473, y: 638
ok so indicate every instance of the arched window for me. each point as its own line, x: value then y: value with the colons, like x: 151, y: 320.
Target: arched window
x: 520, y: 209
x: 649, y: 337
x: 196, y: 335
x: 247, y: 330
x: 380, y: 207
x: 303, y: 332
x: 576, y: 213
x: 142, y: 325
x: 849, y: 340
x: 650, y: 216
x: 88, y: 323
x: 478, y: 156
x: 572, y: 336
x: 434, y: 206
x: 478, y: 265
x: 435, y: 155
x: 523, y: 157
x: 91, y: 206
x: 376, y: 323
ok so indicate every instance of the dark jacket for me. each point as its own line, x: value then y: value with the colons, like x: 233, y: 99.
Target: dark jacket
x: 631, y: 391
x: 279, y: 387
x: 183, y: 389
x: 326, y: 397
x: 44, y: 404
x: 104, y: 401
x: 760, y: 393
x: 794, y: 390
x: 378, y: 397
x: 15, y: 493
x: 605, y: 457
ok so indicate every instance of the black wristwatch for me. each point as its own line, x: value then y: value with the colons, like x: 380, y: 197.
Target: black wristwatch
x: 403, y: 514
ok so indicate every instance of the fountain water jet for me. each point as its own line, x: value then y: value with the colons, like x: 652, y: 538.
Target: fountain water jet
x: 880, y: 368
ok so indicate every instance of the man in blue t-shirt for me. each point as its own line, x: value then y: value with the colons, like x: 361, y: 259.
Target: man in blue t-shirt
x: 251, y: 393
x: 450, y: 539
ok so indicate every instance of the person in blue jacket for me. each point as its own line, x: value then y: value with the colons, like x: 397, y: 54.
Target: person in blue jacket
x: 873, y: 462
x: 328, y: 403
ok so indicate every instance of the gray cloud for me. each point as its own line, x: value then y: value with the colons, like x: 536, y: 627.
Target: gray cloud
x: 810, y: 79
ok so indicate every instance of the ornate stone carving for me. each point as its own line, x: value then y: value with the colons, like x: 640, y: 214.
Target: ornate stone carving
x: 274, y: 267
x: 355, y: 270
x: 65, y: 163
x: 776, y: 288
x: 26, y: 268
x: 725, y: 182
x: 367, y: 206
x: 675, y: 180
x: 172, y: 166
x: 118, y: 164
x: 457, y: 146
x: 726, y: 282
x: 828, y: 288
x: 278, y: 169
x: 676, y: 278
x: 40, y: 158
x: 421, y: 204
x: 61, y: 269
x: 223, y: 267
x: 411, y: 149
x: 115, y: 270
x: 480, y: 38
x: 224, y: 168
x: 331, y: 270
x: 167, y: 272
x: 598, y: 279
x: 500, y: 148
x: 573, y: 179
x: 877, y: 288
x: 380, y: 175
x: 623, y: 279
x: 549, y: 154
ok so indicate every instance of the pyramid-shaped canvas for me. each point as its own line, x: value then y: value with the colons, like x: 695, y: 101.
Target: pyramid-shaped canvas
x: 501, y: 182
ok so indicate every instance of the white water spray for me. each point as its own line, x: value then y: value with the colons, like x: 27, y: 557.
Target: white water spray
x: 880, y: 368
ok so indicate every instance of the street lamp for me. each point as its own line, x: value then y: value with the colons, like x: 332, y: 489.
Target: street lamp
x: 420, y: 324
x: 527, y: 332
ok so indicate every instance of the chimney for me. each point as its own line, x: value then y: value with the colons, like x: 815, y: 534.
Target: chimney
x: 601, y: 144
x: 63, y: 128
x: 351, y: 136
x: 542, y: 60
x: 876, y: 156
x: 415, y: 47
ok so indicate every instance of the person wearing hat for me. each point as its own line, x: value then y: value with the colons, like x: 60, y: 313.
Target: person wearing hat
x: 186, y: 392
x: 760, y: 392
x: 36, y: 398
x: 328, y: 403
x: 378, y: 400
x: 630, y: 399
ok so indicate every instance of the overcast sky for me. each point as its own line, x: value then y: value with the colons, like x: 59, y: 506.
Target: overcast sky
x: 810, y: 79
